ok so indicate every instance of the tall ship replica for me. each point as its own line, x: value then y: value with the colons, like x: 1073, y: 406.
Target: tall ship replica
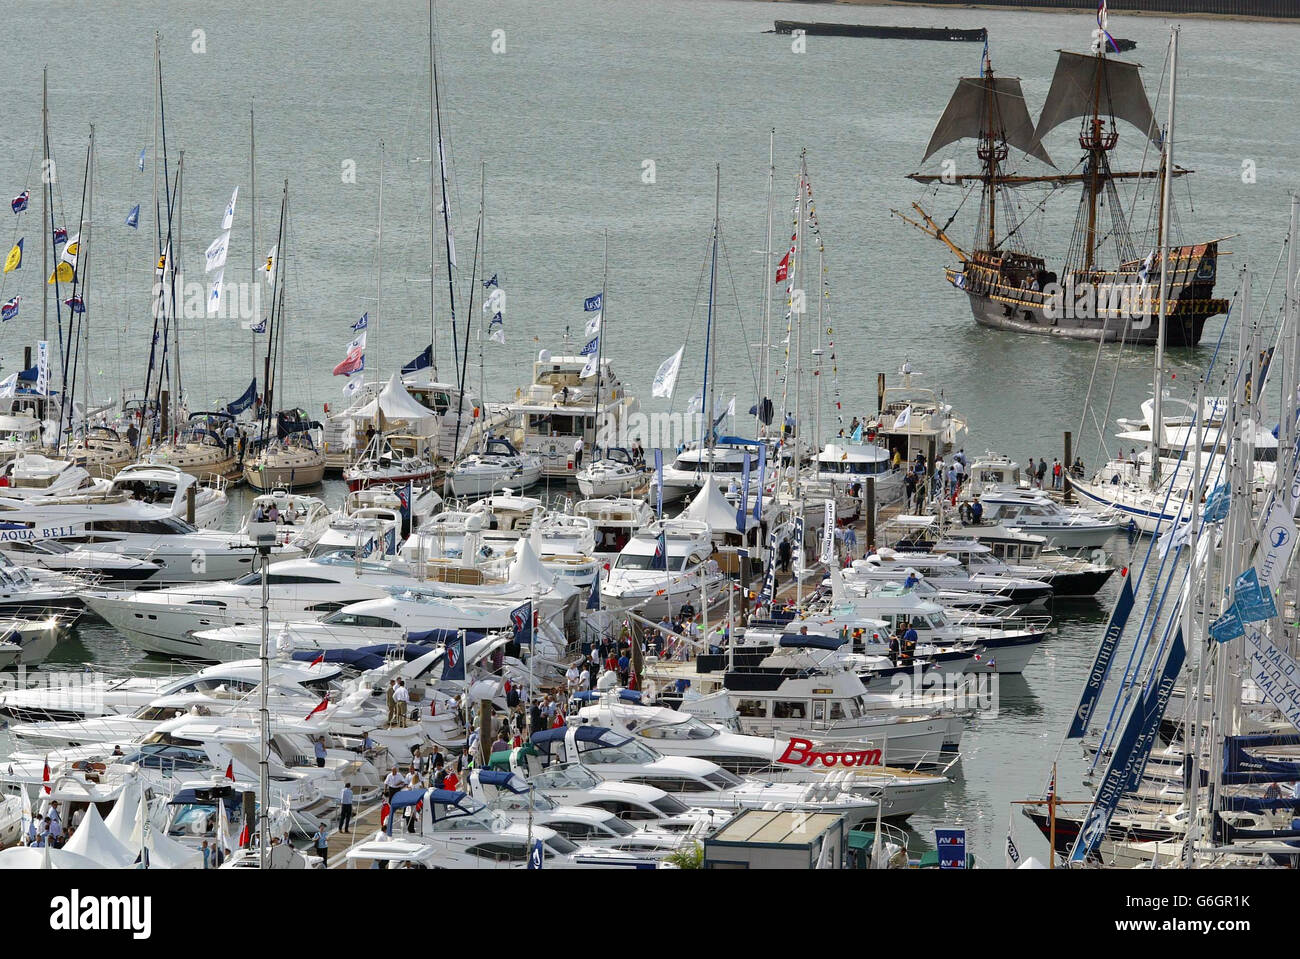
x: 1010, y: 286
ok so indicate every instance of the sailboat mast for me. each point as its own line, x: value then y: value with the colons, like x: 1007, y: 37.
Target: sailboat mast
x: 1157, y: 421
x: 46, y: 214
x: 433, y: 209
x: 708, y: 385
x: 482, y: 230
x: 990, y: 156
x: 252, y: 219
x: 446, y: 211
x: 177, y: 401
x: 765, y: 367
x: 801, y: 308
x: 818, y: 352
x: 83, y: 267
x: 373, y: 326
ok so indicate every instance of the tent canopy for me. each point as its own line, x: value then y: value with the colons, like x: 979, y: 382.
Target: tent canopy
x: 710, y: 506
x: 395, y: 403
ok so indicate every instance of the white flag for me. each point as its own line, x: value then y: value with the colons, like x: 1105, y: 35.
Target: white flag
x: 592, y: 352
x: 904, y: 419
x: 229, y: 216
x: 695, y: 404
x: 352, y: 387
x: 9, y: 386
x: 666, y: 378
x: 1180, y: 534
x: 495, y: 302
x: 1278, y: 544
x: 214, y: 295
x: 359, y: 343
x: 216, y: 255
x: 43, y: 367
x: 498, y: 334
x: 828, y: 534
x: 731, y: 407
x: 593, y: 325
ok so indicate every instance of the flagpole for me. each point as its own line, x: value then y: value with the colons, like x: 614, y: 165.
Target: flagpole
x: 379, y: 267
x: 600, y: 346
x: 765, y: 372
x: 433, y: 243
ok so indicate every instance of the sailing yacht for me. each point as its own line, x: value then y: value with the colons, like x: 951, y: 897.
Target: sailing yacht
x: 288, y: 450
x: 612, y: 474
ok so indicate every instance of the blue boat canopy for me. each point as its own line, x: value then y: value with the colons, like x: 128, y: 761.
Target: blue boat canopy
x: 810, y: 641
x: 504, y: 780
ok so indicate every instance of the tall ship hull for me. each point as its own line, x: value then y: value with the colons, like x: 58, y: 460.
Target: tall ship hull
x: 999, y: 301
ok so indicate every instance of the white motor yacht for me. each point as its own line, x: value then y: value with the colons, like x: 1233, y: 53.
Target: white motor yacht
x: 498, y: 466
x: 656, y: 583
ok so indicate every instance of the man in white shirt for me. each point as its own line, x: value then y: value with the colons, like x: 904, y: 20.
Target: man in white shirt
x: 394, y: 782
x: 571, y: 678
x: 345, y: 808
x: 584, y: 680
x: 402, y: 697
x: 577, y: 453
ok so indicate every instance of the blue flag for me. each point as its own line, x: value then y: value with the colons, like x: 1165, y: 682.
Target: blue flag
x: 535, y: 857
x: 9, y: 309
x: 521, y: 620
x: 762, y: 482
x: 1253, y: 602
x: 489, y: 283
x: 1101, y: 664
x: 245, y: 400
x: 362, y: 323
x: 951, y: 847
x: 453, y: 659
x: 660, y: 558
x: 423, y: 361
x: 259, y: 327
x: 140, y: 163
x: 1129, y: 757
x: 592, y: 303
x: 857, y: 435
x: 593, y: 598
x: 592, y: 345
x: 133, y: 218
x: 1228, y: 626
x: 1216, y: 504
x: 744, y: 497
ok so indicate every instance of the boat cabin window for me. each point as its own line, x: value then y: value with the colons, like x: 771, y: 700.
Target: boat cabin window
x: 789, y: 709
x: 500, y: 851
x: 358, y: 619
x: 752, y: 708
x: 281, y: 579
x: 165, y: 526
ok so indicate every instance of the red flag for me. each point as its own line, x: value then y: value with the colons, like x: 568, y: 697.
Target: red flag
x: 45, y: 776
x: 317, y: 661
x: 245, y: 835
x: 320, y: 707
x: 559, y: 721
x: 354, y: 363
x: 384, y: 810
x: 230, y: 770
x: 783, y: 268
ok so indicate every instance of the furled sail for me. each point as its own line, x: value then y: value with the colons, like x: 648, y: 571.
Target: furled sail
x: 1084, y: 82
x: 968, y: 112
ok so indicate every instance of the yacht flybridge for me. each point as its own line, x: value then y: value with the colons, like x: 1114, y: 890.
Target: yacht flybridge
x: 561, y: 406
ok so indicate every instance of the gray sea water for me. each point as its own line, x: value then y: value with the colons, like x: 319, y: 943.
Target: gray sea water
x: 568, y: 106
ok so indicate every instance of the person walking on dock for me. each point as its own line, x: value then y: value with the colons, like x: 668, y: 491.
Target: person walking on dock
x: 321, y: 839
x: 1056, y: 473
x: 345, y: 808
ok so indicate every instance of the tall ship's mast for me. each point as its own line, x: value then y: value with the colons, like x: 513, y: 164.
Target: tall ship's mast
x: 1010, y: 285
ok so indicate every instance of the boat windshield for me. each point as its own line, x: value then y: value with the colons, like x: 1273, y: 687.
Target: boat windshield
x: 693, y: 728
x: 630, y: 752
x: 644, y: 561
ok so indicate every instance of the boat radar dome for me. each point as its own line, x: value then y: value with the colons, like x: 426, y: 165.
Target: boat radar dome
x: 544, y: 356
